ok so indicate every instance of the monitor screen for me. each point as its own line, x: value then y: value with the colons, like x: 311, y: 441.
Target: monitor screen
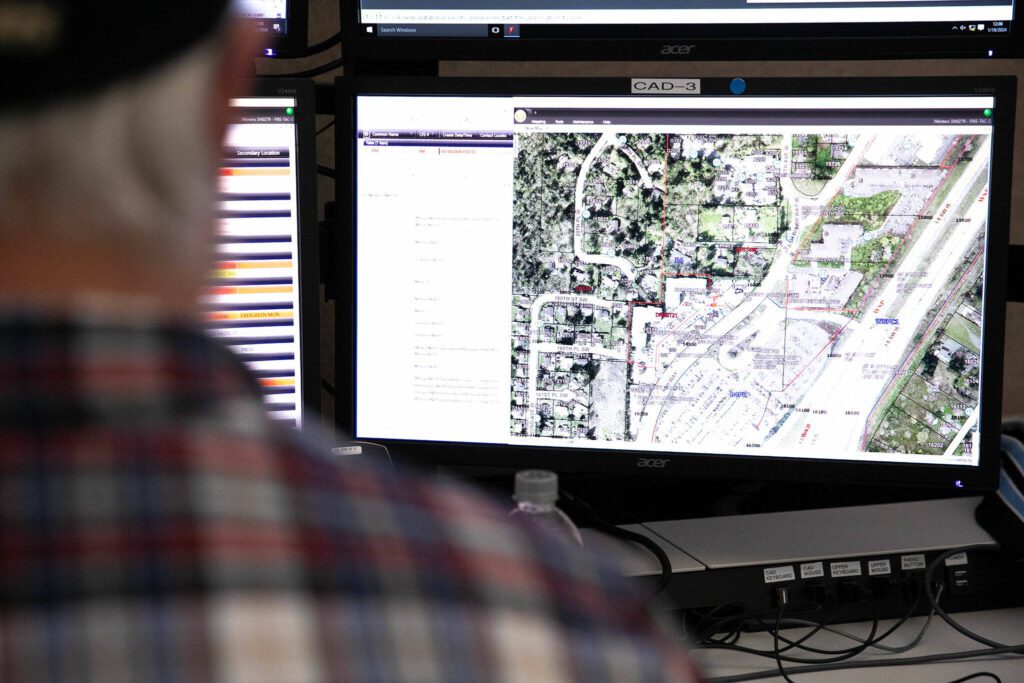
x: 262, y: 300
x: 285, y: 20
x: 679, y: 29
x: 808, y: 274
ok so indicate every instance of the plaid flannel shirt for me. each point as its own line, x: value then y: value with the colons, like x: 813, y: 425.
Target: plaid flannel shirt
x: 155, y: 525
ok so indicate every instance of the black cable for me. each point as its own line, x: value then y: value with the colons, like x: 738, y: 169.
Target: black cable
x: 705, y: 635
x: 326, y: 386
x: 309, y: 73
x: 825, y: 665
x: 665, y: 577
x: 929, y: 573
x: 775, y: 645
x: 989, y: 674
x: 852, y: 652
x: 824, y: 624
x: 323, y: 45
x: 799, y: 642
x: 663, y: 560
x: 325, y: 170
x: 326, y: 127
x: 816, y: 627
x: 871, y: 664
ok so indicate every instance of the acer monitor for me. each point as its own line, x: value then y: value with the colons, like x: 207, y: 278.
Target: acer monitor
x: 679, y: 29
x: 286, y: 21
x: 262, y: 300
x: 802, y: 282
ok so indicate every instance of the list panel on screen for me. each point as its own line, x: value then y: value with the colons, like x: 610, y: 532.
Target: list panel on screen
x: 252, y: 305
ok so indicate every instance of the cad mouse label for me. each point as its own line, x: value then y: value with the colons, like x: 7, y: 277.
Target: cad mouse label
x: 812, y: 570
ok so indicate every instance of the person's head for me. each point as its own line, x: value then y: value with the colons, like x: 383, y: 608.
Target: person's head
x: 109, y: 139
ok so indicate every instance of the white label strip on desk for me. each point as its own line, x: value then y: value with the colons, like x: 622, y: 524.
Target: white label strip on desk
x: 958, y: 560
x: 779, y: 574
x: 812, y: 570
x: 879, y: 568
x: 912, y: 562
x: 841, y: 569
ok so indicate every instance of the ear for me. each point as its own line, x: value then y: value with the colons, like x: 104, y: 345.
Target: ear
x: 234, y: 73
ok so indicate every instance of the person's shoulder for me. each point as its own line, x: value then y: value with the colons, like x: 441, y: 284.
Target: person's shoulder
x: 533, y: 596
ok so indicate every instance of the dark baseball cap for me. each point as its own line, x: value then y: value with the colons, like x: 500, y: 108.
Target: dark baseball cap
x: 55, y: 49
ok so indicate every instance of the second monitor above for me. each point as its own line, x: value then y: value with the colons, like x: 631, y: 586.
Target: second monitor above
x: 678, y: 29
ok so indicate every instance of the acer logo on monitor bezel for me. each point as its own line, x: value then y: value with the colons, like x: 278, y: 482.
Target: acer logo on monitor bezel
x: 677, y: 50
x: 657, y: 463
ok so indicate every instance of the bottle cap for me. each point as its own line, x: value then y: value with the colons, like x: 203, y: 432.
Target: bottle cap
x: 536, y: 486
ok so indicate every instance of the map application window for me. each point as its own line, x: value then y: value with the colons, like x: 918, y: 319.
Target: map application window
x: 252, y: 304
x: 797, y: 277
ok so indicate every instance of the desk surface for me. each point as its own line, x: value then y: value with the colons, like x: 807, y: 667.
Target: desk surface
x: 1005, y: 626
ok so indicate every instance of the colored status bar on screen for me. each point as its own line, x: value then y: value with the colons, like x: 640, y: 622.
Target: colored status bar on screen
x: 277, y: 382
x: 244, y: 265
x: 234, y: 316
x: 251, y: 289
x: 239, y: 172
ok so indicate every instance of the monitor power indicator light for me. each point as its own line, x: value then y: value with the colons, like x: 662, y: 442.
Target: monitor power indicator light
x: 290, y: 111
x: 987, y: 113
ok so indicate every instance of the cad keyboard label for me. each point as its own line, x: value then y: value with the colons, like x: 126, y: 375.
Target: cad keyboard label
x: 779, y: 574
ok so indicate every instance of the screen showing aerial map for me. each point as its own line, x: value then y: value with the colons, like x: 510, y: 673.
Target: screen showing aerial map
x: 798, y: 277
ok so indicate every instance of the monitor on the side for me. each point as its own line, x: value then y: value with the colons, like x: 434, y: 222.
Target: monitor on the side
x: 262, y: 302
x: 679, y: 29
x: 805, y: 280
x: 286, y: 21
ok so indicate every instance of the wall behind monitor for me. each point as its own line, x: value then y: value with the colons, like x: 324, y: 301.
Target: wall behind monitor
x: 324, y: 20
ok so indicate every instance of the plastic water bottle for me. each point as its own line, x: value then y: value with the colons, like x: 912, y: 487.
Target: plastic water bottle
x: 535, y: 494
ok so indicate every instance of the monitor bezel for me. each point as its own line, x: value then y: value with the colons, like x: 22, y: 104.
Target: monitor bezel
x: 308, y: 249
x: 719, y: 42
x: 704, y: 466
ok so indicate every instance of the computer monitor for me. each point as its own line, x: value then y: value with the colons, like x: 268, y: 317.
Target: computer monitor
x: 286, y: 20
x: 790, y: 279
x: 263, y: 299
x: 678, y: 29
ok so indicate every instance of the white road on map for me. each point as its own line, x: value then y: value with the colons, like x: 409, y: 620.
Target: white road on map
x: 622, y: 264
x: 841, y: 385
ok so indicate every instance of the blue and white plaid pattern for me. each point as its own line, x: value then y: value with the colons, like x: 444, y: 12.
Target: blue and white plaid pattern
x: 156, y: 526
